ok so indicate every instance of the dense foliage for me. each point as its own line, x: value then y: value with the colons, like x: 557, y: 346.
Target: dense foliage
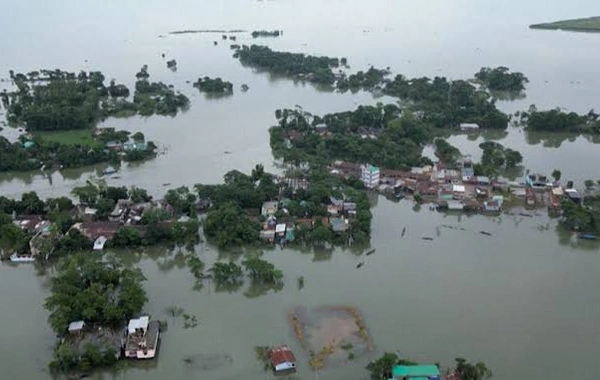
x: 558, y: 121
x: 576, y: 217
x: 445, y: 151
x: 97, y: 292
x: 227, y: 273
x: 362, y: 80
x: 57, y: 100
x: 314, y: 69
x: 469, y: 371
x: 213, y: 86
x: 501, y: 79
x: 446, y: 104
x: 496, y: 158
x: 266, y: 33
x: 369, y: 134
x: 263, y: 271
x: 227, y: 225
x: 381, y: 368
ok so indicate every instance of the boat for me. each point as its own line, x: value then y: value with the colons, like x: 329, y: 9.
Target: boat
x: 588, y: 237
x: 403, y: 231
x: 370, y: 252
x: 109, y: 170
x: 485, y: 233
x: 22, y: 259
x: 427, y: 238
x: 360, y: 264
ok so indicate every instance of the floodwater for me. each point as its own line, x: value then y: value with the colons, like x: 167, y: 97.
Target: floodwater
x: 524, y: 300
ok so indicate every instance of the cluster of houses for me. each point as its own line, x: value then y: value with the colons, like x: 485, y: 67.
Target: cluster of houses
x: 457, y: 188
x: 282, y: 229
x: 139, y: 340
x: 125, y: 213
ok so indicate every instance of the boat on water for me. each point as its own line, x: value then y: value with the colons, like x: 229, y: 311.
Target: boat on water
x: 372, y: 251
x: 22, y: 259
x: 485, y: 233
x: 109, y: 170
x: 588, y: 237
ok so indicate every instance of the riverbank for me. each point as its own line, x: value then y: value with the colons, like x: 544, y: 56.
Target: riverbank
x: 590, y: 24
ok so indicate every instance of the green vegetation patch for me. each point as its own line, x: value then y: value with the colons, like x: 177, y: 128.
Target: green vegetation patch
x: 71, y: 137
x: 580, y: 24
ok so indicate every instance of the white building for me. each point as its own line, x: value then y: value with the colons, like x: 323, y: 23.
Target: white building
x: 142, y: 338
x: 469, y: 127
x: 370, y: 176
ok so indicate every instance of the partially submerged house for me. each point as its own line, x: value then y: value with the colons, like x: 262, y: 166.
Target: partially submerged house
x: 76, y: 327
x: 282, y: 359
x: 469, y: 127
x: 269, y: 208
x: 142, y: 338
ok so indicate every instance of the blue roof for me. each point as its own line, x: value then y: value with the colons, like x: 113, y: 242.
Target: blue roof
x: 415, y: 371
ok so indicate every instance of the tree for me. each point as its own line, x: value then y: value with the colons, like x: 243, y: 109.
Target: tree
x: 87, y: 194
x: 101, y: 293
x: 61, y: 204
x: 139, y: 195
x: 13, y: 239
x: 381, y: 369
x: 138, y: 137
x: 182, y: 200
x: 258, y: 172
x: 230, y: 226
x: 115, y: 193
x: 589, y: 184
x: 227, y: 274
x: 31, y: 204
x: 468, y: 371
x: 262, y: 270
x: 556, y: 174
x: 127, y: 237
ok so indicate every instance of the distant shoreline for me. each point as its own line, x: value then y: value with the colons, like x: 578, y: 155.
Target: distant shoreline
x: 589, y: 24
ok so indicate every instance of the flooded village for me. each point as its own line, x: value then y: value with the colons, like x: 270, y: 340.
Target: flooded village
x: 342, y: 246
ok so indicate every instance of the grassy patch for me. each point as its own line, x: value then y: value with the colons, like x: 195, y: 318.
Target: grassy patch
x: 70, y: 137
x: 585, y: 24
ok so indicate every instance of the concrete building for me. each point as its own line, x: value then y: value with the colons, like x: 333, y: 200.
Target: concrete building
x: 370, y: 176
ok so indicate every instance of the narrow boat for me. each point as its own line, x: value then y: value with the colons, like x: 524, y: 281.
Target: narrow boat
x: 369, y: 253
x: 403, y: 231
x: 485, y: 233
x: 360, y: 264
x: 588, y: 237
x: 427, y: 238
x: 109, y: 170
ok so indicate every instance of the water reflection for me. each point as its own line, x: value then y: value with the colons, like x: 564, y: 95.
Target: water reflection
x: 551, y: 139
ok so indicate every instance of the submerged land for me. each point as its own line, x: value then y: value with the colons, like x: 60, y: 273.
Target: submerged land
x: 589, y: 24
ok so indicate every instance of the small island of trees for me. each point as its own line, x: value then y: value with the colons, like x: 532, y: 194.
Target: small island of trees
x: 501, y: 79
x: 266, y: 33
x: 215, y: 86
x: 103, y: 295
x: 297, y: 65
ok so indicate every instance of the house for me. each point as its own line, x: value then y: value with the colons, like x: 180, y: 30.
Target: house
x: 289, y: 231
x: 280, y: 230
x: 269, y: 208
x: 99, y: 243
x: 420, y: 372
x: 338, y: 224
x: 492, y: 206
x: 282, y: 359
x: 135, y: 146
x: 454, y: 205
x: 334, y: 209
x: 76, y: 327
x: 573, y: 195
x: 142, y: 338
x: 29, y: 223
x: 296, y: 183
x: 114, y: 146
x: 536, y: 180
x: 322, y: 129
x: 458, y: 191
x: 268, y: 235
x: 370, y: 176
x: 469, y: 127
x: 93, y: 230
